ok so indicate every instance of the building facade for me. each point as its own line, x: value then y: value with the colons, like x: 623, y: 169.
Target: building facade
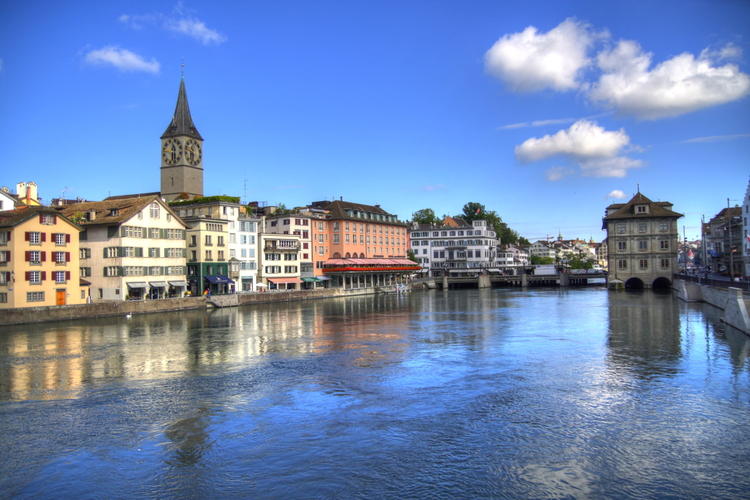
x: 642, y: 240
x: 131, y: 248
x: 39, y: 259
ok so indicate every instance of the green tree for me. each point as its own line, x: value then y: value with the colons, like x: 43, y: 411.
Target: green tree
x: 540, y: 261
x: 425, y: 216
x: 576, y: 261
x: 476, y: 211
x: 411, y: 256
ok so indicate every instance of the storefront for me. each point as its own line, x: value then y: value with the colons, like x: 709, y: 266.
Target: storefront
x: 136, y: 290
x: 285, y: 283
x: 177, y: 288
x: 219, y: 284
x: 158, y: 289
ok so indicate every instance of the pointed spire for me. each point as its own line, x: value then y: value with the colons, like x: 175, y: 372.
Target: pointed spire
x: 182, y: 123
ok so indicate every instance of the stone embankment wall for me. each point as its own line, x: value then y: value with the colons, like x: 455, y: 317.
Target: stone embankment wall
x: 26, y: 315
x: 730, y: 300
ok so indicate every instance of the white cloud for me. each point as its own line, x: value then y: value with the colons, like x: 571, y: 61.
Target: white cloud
x: 674, y: 87
x: 195, y: 29
x: 557, y: 173
x: 530, y: 61
x: 597, y: 151
x: 616, y: 194
x: 716, y: 138
x: 122, y: 59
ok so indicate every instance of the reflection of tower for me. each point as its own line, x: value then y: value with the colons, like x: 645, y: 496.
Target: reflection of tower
x: 181, y: 153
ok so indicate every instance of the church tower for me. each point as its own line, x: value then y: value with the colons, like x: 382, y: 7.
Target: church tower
x: 181, y: 153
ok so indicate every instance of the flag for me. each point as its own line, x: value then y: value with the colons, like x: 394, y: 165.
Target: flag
x: 690, y: 253
x: 478, y: 210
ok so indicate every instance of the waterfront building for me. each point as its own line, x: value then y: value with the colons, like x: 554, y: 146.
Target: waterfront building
x: 243, y: 268
x: 543, y: 249
x: 511, y: 259
x: 181, y: 153
x: 301, y: 273
x: 131, y: 248
x: 362, y: 245
x: 455, y: 248
x: 39, y: 259
x: 280, y: 261
x: 642, y: 241
x: 746, y: 232
x: 725, y: 240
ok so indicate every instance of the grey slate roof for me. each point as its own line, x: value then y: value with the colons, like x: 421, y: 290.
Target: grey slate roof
x: 182, y: 123
x: 627, y: 210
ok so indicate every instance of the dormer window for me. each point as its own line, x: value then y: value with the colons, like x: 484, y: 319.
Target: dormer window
x: 641, y: 209
x: 114, y: 212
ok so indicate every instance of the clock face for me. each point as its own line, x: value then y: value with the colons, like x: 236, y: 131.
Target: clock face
x: 193, y: 153
x: 171, y: 151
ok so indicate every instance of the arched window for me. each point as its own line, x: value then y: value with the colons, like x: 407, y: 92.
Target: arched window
x: 336, y: 255
x: 154, y: 210
x: 347, y: 256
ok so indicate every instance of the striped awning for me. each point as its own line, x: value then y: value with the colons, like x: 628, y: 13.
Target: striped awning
x: 284, y: 280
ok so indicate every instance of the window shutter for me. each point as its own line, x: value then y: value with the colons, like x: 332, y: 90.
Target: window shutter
x: 105, y: 253
x: 162, y: 233
x: 44, y: 237
x: 139, y: 252
x: 54, y: 219
x: 41, y: 219
x: 184, y: 252
x: 28, y: 257
x: 184, y: 235
x: 122, y: 231
x: 67, y: 256
x: 7, y: 256
x: 28, y: 236
x: 67, y: 238
x: 67, y: 275
x: 28, y: 275
x: 44, y: 275
x: 44, y: 256
x: 9, y: 233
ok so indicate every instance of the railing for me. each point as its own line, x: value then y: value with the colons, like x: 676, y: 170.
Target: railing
x: 742, y: 285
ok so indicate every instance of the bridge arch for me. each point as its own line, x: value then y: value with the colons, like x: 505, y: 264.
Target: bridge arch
x: 634, y: 284
x: 661, y: 283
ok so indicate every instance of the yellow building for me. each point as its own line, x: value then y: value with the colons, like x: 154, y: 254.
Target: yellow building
x: 39, y: 263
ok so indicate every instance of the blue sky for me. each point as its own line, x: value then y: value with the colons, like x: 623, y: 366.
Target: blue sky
x: 545, y: 112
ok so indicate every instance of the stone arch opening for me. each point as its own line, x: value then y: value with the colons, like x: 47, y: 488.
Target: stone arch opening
x: 661, y: 283
x: 348, y: 255
x: 336, y: 255
x: 634, y: 284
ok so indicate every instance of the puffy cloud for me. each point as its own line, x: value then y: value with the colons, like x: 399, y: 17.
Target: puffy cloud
x: 195, y: 29
x: 122, y: 59
x: 597, y: 151
x: 674, y: 87
x: 530, y: 61
x: 616, y: 194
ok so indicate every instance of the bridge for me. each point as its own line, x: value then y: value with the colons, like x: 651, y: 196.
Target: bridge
x: 523, y: 280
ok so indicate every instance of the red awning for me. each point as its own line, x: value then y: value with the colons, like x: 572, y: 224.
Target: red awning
x: 285, y: 280
x: 369, y: 262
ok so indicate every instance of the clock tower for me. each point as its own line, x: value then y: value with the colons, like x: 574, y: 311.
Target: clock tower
x: 181, y: 153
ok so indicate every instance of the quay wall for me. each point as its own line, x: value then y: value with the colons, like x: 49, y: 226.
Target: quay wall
x: 26, y: 315
x: 730, y: 300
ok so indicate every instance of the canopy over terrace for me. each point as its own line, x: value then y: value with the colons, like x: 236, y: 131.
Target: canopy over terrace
x: 363, y: 273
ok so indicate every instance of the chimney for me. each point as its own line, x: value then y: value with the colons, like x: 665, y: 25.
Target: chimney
x: 91, y: 215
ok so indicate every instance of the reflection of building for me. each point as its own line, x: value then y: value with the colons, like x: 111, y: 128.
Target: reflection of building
x: 642, y: 239
x: 131, y: 248
x: 746, y: 231
x: 38, y: 259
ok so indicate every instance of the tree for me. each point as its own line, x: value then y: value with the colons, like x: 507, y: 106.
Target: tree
x: 476, y: 211
x: 425, y: 216
x: 576, y: 261
x: 540, y: 261
x: 411, y: 256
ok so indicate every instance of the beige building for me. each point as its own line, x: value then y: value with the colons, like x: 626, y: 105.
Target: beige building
x: 132, y: 248
x: 38, y: 259
x: 642, y: 239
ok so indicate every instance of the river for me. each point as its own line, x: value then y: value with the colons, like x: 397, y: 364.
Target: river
x: 493, y: 393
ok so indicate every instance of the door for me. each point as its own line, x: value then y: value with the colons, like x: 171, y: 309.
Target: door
x: 60, y: 298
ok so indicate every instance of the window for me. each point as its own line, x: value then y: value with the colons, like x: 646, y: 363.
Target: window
x: 643, y: 245
x: 34, y: 277
x: 60, y: 276
x: 209, y: 255
x: 35, y: 257
x: 4, y: 237
x: 622, y: 264
x: 336, y: 239
x: 640, y: 209
x: 208, y: 240
x: 336, y: 226
x: 154, y: 210
x: 664, y: 263
x: 220, y: 241
x: 62, y: 257
x: 620, y: 228
x: 664, y: 244
x: 35, y: 238
x: 85, y: 272
x: 34, y: 296
x: 643, y: 264
x: 641, y: 228
x: 4, y: 258
x: 3, y: 298
x: 61, y: 239
x: 47, y: 220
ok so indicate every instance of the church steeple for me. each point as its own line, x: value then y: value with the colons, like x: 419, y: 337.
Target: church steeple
x: 181, y: 153
x: 182, y: 123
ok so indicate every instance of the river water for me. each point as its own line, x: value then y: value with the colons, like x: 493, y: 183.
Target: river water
x: 494, y: 393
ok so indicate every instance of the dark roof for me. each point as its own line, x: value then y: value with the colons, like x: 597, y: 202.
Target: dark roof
x: 115, y: 211
x: 10, y: 218
x: 182, y: 123
x: 727, y: 212
x: 627, y: 210
x: 337, y: 210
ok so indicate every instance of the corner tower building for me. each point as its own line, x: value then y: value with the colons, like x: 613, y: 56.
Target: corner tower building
x: 181, y: 153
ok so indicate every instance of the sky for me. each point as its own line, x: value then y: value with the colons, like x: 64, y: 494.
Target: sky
x: 545, y: 112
